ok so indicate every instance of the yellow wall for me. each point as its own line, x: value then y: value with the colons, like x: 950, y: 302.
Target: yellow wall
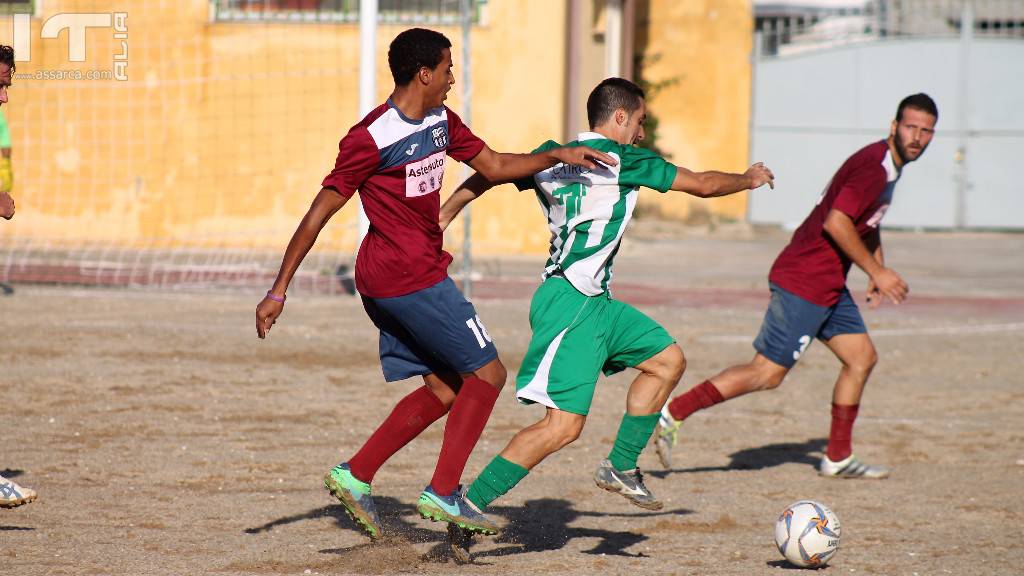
x: 705, y: 46
x: 518, y: 103
x: 589, y: 67
x: 223, y: 131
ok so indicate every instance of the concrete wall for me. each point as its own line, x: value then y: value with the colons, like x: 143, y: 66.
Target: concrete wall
x: 815, y: 109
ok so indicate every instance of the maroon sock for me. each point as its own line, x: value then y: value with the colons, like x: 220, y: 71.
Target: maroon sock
x: 840, y: 438
x: 410, y: 416
x: 466, y: 422
x: 703, y: 395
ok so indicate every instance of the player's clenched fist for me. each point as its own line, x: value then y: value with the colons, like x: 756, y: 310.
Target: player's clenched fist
x: 759, y: 175
x: 266, y: 314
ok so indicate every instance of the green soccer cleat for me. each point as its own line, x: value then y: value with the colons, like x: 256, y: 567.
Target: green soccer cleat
x: 454, y: 509
x: 355, y: 498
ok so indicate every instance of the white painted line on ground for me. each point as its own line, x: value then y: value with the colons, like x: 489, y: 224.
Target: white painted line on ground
x: 924, y: 331
x: 947, y: 330
x: 822, y: 415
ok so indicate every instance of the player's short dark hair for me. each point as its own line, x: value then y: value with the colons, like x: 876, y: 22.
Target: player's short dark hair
x: 414, y: 49
x: 610, y: 95
x: 919, y: 101
x: 7, y: 56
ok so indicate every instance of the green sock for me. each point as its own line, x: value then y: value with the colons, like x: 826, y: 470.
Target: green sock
x: 634, y: 433
x: 498, y: 477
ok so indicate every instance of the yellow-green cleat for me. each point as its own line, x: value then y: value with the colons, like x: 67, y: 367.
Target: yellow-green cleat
x: 454, y: 509
x: 355, y: 498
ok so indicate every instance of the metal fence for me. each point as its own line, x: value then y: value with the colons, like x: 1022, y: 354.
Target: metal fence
x: 438, y: 12
x: 792, y: 27
x: 192, y: 172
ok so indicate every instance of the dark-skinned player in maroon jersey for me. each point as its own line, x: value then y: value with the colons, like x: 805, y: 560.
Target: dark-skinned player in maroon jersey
x: 809, y: 298
x: 395, y: 158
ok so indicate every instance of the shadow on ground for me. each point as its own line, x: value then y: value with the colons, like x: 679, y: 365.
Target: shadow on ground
x: 768, y: 456
x: 11, y: 473
x: 544, y: 524
x: 538, y: 525
x: 787, y: 566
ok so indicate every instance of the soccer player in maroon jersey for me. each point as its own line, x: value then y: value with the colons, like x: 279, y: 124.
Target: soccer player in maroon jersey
x: 809, y: 298
x: 395, y: 158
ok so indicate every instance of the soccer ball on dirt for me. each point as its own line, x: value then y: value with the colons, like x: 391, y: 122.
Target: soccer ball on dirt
x: 807, y: 534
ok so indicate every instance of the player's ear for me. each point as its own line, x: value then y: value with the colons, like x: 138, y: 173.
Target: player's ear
x: 892, y: 129
x: 424, y: 74
x: 621, y: 117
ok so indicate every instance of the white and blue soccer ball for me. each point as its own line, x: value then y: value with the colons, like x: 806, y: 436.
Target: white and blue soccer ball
x: 807, y: 533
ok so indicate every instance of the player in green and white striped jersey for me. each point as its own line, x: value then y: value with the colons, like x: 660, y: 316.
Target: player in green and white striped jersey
x: 588, y: 210
x: 579, y: 330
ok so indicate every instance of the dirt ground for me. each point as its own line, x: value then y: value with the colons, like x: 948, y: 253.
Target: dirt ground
x: 164, y: 438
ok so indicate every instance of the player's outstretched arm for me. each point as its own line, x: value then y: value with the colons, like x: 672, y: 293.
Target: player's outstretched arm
x: 325, y: 205
x: 468, y: 191
x: 501, y: 167
x: 884, y: 280
x: 712, y: 183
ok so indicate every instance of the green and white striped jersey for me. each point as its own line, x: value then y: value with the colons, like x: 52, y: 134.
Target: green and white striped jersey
x: 588, y: 210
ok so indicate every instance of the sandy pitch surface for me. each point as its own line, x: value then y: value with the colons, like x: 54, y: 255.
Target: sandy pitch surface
x: 164, y: 438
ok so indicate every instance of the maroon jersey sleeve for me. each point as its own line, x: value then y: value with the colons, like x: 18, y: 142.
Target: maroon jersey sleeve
x: 358, y: 159
x: 463, y: 145
x: 860, y: 191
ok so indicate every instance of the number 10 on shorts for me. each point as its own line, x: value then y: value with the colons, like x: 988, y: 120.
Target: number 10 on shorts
x: 482, y: 337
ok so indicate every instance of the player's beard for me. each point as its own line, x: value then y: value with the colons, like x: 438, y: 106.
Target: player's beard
x: 901, y: 149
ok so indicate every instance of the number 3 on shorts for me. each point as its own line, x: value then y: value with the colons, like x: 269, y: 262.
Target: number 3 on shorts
x: 482, y: 337
x: 804, y: 341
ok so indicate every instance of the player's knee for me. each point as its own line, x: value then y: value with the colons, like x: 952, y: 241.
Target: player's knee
x: 872, y: 359
x: 565, y: 438
x: 772, y: 381
x: 769, y: 378
x: 563, y: 432
x: 864, y: 363
x: 669, y: 366
x: 760, y: 374
x: 494, y: 373
x: 500, y: 376
x: 571, y: 434
x: 676, y: 364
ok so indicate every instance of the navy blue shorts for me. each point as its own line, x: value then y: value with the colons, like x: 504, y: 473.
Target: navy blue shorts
x: 431, y: 330
x: 792, y: 322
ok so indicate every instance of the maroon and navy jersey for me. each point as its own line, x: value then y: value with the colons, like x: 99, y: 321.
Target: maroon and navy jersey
x: 397, y: 164
x: 812, y: 266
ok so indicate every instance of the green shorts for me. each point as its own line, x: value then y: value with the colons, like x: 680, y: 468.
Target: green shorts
x: 575, y: 337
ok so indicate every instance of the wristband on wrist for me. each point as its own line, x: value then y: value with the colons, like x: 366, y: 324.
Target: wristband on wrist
x: 276, y: 298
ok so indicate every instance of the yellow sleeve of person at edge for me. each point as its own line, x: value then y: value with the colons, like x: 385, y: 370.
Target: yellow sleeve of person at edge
x: 6, y: 175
